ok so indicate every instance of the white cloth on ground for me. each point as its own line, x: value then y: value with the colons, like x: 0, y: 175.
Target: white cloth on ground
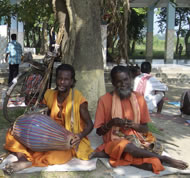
x: 73, y: 165
x: 152, y: 85
x: 81, y: 165
x: 133, y: 172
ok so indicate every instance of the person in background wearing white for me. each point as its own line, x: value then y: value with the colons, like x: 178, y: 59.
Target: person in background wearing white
x: 150, y: 87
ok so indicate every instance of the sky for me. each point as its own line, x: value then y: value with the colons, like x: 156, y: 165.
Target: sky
x: 156, y: 28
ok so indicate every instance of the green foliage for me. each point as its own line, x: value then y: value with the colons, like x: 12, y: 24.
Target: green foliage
x: 35, y: 11
x: 152, y: 128
x: 114, y: 10
x: 136, y: 27
x: 6, y: 9
x: 158, y: 48
x: 140, y: 11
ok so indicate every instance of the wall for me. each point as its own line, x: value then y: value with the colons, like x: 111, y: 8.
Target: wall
x: 3, y: 42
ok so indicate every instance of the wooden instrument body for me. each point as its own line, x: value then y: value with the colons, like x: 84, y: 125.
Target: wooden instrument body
x: 40, y: 133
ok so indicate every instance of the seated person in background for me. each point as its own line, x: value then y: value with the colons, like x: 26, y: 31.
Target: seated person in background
x: 58, y: 101
x: 151, y: 88
x: 135, y: 70
x: 121, y: 118
x: 185, y: 103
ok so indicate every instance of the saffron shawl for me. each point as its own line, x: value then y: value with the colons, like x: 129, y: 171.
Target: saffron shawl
x: 117, y: 111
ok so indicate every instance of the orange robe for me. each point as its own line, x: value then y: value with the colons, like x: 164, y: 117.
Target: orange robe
x: 57, y: 157
x: 115, y: 148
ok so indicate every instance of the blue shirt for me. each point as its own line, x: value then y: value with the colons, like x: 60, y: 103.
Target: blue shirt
x: 15, y: 52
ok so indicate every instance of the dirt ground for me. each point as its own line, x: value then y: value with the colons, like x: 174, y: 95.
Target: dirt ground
x: 174, y: 128
x: 173, y: 132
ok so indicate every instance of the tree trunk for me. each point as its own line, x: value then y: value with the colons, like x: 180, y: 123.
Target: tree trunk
x: 177, y: 43
x: 178, y: 33
x: 133, y: 47
x: 34, y: 37
x: 39, y: 38
x: 126, y: 16
x: 88, y: 60
x: 187, y: 44
x: 44, y: 44
x: 27, y: 38
x: 62, y: 15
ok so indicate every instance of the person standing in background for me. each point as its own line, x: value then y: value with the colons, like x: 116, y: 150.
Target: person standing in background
x: 13, y: 57
x: 180, y: 50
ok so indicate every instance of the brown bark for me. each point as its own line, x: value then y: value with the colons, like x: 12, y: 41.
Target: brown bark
x: 63, y: 19
x: 34, y: 37
x: 88, y: 53
x: 178, y: 33
x: 125, y: 21
x: 84, y: 24
x: 44, y: 44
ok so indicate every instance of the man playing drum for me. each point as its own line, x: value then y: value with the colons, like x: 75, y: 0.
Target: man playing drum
x: 67, y: 106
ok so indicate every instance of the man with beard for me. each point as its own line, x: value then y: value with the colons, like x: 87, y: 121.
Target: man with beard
x: 121, y: 118
x: 69, y: 109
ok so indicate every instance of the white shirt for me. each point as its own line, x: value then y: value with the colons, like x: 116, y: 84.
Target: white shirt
x: 152, y: 85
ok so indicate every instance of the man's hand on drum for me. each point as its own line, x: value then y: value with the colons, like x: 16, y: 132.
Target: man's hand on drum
x: 76, y: 140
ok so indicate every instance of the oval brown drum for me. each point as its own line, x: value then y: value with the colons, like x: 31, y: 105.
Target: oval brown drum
x: 40, y: 133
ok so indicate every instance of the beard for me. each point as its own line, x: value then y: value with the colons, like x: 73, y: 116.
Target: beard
x: 124, y: 94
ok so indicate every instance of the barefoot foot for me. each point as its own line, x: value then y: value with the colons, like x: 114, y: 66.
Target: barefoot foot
x: 175, y: 163
x: 16, y: 166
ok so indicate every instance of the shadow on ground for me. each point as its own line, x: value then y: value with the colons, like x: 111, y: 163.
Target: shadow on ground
x: 175, y: 137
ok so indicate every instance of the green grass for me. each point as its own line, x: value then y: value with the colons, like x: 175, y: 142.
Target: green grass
x: 3, y: 122
x: 152, y: 128
x: 158, y: 49
x: 16, y: 112
x: 13, y: 115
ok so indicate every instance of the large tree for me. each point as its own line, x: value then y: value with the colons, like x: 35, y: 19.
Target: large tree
x: 81, y: 45
x: 136, y: 28
x: 116, y: 13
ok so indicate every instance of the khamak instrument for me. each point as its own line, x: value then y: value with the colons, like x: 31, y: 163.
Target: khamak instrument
x: 40, y: 133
